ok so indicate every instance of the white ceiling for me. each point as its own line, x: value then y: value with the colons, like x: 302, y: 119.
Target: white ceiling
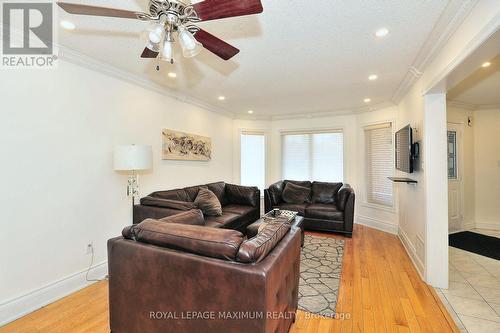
x: 481, y: 88
x: 297, y: 57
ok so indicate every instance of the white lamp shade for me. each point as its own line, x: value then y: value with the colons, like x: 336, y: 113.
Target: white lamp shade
x: 133, y: 157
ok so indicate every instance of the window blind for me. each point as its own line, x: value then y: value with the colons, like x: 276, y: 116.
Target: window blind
x: 253, y: 160
x: 379, y: 164
x: 313, y: 156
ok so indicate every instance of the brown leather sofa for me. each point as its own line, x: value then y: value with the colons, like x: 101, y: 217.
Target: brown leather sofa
x: 240, y: 205
x: 326, y: 207
x: 170, y: 277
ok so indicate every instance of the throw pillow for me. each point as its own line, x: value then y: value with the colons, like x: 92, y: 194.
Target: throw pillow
x: 325, y: 193
x: 207, y: 201
x: 294, y: 194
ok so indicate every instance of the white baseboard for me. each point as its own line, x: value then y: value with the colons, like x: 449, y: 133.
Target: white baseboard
x: 412, y: 253
x: 34, y: 300
x: 377, y: 224
x: 488, y: 225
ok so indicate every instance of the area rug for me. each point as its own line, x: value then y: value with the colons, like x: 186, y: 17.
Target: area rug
x: 320, y: 269
x: 477, y: 243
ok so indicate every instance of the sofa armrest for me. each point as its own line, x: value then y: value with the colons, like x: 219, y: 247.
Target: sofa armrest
x: 268, y: 201
x: 243, y: 195
x: 345, y: 201
x: 342, y: 196
x: 141, y: 212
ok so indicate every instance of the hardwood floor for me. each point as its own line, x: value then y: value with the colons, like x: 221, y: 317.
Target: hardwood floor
x: 380, y: 291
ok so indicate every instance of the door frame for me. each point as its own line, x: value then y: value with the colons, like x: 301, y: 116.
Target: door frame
x: 460, y: 167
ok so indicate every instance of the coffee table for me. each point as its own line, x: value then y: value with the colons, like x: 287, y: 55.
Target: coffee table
x: 297, y: 222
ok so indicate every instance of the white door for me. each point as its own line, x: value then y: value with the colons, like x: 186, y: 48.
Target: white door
x: 455, y: 178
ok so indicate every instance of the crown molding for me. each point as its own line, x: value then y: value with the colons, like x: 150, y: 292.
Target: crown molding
x: 461, y: 105
x: 80, y: 59
x: 471, y: 106
x: 318, y: 114
x: 452, y: 17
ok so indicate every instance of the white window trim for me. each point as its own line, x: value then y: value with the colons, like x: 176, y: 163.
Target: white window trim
x: 364, y: 196
x: 315, y: 130
x: 264, y: 132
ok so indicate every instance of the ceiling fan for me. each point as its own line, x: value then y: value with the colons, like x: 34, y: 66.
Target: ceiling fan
x: 173, y: 17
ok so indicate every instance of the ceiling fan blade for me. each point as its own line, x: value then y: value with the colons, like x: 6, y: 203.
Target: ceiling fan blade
x: 218, y: 9
x: 73, y: 8
x: 216, y: 45
x: 147, y: 53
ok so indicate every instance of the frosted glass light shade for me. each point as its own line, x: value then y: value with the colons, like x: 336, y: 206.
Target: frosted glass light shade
x: 190, y: 46
x: 133, y: 157
x: 167, y: 51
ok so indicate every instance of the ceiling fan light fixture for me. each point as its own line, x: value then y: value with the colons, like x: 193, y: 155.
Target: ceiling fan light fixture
x: 156, y: 34
x: 167, y: 53
x: 153, y: 47
x: 190, y: 46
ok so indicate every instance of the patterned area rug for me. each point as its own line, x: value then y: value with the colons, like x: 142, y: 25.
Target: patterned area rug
x: 320, y: 269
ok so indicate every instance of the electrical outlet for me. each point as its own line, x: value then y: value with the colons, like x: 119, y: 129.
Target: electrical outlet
x: 89, y: 248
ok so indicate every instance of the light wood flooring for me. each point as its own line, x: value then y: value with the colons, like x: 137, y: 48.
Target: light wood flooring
x: 380, y: 291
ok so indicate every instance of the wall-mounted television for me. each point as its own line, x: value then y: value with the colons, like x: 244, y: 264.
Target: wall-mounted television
x: 404, y: 149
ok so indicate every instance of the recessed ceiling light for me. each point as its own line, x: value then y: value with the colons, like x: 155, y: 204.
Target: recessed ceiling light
x: 68, y: 25
x: 172, y: 75
x: 486, y: 64
x: 382, y: 32
x: 372, y: 77
x: 222, y: 98
x: 367, y: 100
x: 250, y: 111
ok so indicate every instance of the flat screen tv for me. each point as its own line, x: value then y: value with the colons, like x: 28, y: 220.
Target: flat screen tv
x: 404, y: 156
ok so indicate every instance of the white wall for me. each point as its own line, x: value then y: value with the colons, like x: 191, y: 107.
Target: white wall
x: 415, y: 225
x: 487, y: 168
x: 383, y: 218
x: 58, y: 129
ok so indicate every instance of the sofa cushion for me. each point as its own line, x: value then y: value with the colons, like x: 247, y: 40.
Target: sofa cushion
x: 179, y: 195
x: 222, y: 220
x: 257, y: 248
x: 295, y: 194
x: 323, y: 192
x: 192, y: 217
x: 237, y: 209
x: 242, y: 195
x: 167, y: 203
x: 210, y: 242
x: 300, y: 208
x: 208, y: 202
x: 324, y: 212
x: 219, y: 189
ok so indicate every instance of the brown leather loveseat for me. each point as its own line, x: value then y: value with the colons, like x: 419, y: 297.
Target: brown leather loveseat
x: 324, y: 206
x: 170, y: 277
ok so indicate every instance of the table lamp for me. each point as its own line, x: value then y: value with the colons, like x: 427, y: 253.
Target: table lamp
x: 133, y: 158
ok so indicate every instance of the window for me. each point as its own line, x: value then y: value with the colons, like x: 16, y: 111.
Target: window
x: 452, y: 155
x: 313, y: 156
x: 379, y: 164
x: 253, y: 159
